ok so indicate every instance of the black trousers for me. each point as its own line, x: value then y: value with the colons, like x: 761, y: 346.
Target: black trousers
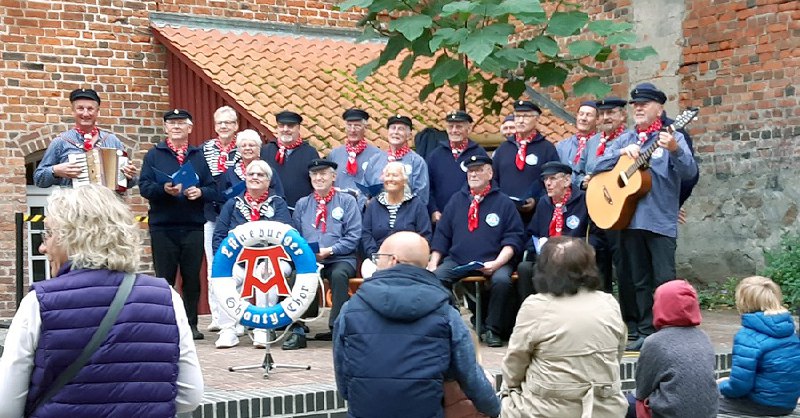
x: 627, y: 293
x: 180, y: 249
x: 338, y: 274
x: 651, y: 258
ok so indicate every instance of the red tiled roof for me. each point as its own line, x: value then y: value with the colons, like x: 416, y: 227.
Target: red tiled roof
x: 315, y: 77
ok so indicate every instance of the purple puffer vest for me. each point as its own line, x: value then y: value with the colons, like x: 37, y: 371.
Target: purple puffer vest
x: 134, y: 371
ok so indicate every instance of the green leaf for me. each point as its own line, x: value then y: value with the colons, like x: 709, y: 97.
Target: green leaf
x: 411, y: 26
x: 381, y: 5
x: 367, y: 34
x: 488, y: 90
x: 622, y: 38
x: 447, y: 36
x: 393, y: 47
x: 349, y: 4
x: 532, y: 19
x: 445, y: 69
x: 426, y: 91
x: 566, y: 23
x: 591, y: 86
x: 458, y: 7
x: 366, y: 70
x: 514, y: 88
x: 406, y: 66
x: 512, y: 54
x: 580, y: 49
x: 548, y: 74
x: 516, y: 7
x: 421, y: 45
x: 608, y: 27
x: 603, y: 55
x: 637, y: 54
x: 545, y: 44
x: 479, y: 44
x: 492, y: 65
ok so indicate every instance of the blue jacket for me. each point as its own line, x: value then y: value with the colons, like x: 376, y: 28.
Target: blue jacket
x: 342, y: 228
x: 411, y: 216
x: 499, y: 225
x: 135, y: 370
x: 397, y: 340
x: 576, y: 221
x: 766, y: 361
x: 232, y: 177
x: 293, y: 174
x: 169, y: 212
x: 416, y: 170
x: 446, y: 174
x: 587, y: 164
x: 236, y: 212
x: 528, y: 182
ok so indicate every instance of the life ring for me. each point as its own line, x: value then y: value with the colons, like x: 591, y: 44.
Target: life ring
x: 240, y: 246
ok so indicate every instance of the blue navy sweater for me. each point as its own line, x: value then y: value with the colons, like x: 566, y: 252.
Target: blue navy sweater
x: 293, y: 173
x: 499, y: 225
x: 169, y: 212
x: 528, y: 182
x: 411, y: 216
x: 135, y: 370
x: 403, y: 314
x: 576, y: 220
x: 236, y: 212
x: 446, y: 174
x: 766, y: 361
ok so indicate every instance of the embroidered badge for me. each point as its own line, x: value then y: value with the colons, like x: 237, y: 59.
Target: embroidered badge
x: 463, y: 167
x: 269, y: 212
x: 531, y: 159
x: 492, y: 220
x: 573, y: 222
x: 337, y: 213
x: 658, y: 153
x: 409, y: 170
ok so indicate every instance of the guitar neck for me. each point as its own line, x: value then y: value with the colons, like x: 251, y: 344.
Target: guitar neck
x: 645, y: 155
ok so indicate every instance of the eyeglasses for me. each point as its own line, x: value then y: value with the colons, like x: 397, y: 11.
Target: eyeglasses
x: 375, y: 256
x: 176, y: 123
x: 226, y: 122
x: 257, y: 175
x: 47, y: 234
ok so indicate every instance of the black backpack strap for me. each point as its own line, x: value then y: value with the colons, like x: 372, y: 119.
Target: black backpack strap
x: 99, y: 336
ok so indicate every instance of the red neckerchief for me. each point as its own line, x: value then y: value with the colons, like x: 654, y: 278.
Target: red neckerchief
x: 322, y: 209
x: 222, y: 161
x: 557, y: 223
x: 180, y: 154
x: 457, y: 148
x: 88, y: 138
x: 643, y: 134
x: 280, y: 157
x: 582, y: 138
x: 474, y: 206
x: 352, y: 153
x: 399, y: 154
x: 255, y: 204
x: 601, y: 149
x: 522, y: 148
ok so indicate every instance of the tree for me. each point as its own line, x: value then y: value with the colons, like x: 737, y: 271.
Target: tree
x: 470, y: 42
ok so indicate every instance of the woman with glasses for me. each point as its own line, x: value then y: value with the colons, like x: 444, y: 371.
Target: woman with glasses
x: 256, y: 203
x: 248, y: 149
x: 394, y: 209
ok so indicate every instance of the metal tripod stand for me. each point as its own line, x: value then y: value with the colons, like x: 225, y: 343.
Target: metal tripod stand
x: 269, y: 363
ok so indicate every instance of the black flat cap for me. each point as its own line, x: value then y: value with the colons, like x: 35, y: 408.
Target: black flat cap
x: 590, y: 103
x: 355, y: 114
x: 555, y: 167
x: 288, y: 117
x: 477, y: 160
x: 458, y: 116
x: 611, y: 102
x: 526, y: 106
x: 405, y: 120
x: 177, y: 114
x: 320, y: 164
x: 647, y: 92
x: 84, y: 94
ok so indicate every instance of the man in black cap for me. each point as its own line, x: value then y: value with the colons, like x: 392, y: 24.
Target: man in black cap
x: 55, y: 167
x: 508, y: 127
x: 176, y: 212
x: 571, y: 149
x: 480, y: 224
x: 289, y: 157
x: 518, y: 160
x: 650, y: 239
x: 399, y: 133
x: 332, y: 220
x: 353, y: 155
x: 562, y: 212
x: 447, y: 173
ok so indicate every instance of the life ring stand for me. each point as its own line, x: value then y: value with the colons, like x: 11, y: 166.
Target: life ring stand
x: 272, y: 234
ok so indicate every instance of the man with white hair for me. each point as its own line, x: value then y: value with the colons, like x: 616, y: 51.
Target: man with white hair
x: 353, y: 155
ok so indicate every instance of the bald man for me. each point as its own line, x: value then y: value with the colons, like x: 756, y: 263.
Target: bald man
x: 403, y: 313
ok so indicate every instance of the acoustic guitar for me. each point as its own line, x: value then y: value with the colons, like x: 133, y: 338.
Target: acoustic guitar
x: 612, y: 196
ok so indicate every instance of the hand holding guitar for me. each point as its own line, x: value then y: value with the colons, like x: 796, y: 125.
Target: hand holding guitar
x: 667, y: 140
x: 631, y: 150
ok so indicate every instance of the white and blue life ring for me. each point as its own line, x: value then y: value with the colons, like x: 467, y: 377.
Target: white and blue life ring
x: 248, y: 236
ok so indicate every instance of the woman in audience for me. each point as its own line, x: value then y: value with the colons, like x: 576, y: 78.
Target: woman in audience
x: 765, y: 374
x: 394, y: 209
x: 563, y: 356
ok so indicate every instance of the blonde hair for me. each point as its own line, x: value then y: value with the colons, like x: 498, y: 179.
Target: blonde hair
x: 225, y: 110
x: 261, y: 165
x: 758, y: 293
x: 248, y: 135
x: 95, y: 228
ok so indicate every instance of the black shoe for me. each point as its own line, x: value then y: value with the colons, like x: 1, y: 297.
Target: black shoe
x: 492, y: 340
x: 635, y: 345
x: 197, y: 335
x: 324, y: 336
x: 294, y: 342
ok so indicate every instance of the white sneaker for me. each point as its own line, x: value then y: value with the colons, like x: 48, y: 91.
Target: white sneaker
x: 239, y: 330
x: 259, y: 338
x: 213, y: 327
x: 227, y: 339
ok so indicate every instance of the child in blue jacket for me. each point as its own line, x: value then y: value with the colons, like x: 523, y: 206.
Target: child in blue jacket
x: 765, y: 374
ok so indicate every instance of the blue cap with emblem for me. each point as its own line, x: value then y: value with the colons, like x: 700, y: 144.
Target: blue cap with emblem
x: 526, y: 106
x: 477, y: 160
x: 177, y: 114
x: 458, y: 116
x: 611, y: 102
x: 405, y: 120
x: 554, y: 167
x: 355, y: 114
x: 88, y: 94
x: 320, y: 164
x: 647, y: 92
